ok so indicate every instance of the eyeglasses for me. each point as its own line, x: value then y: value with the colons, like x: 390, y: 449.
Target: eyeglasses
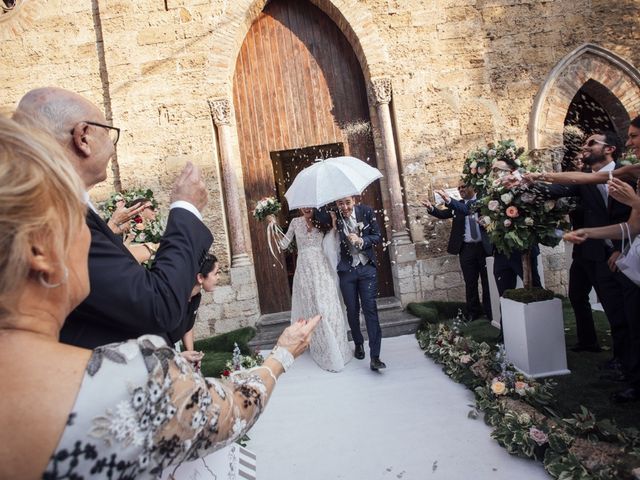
x: 114, y: 132
x: 593, y: 141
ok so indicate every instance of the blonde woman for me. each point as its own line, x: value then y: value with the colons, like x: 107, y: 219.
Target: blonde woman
x: 125, y: 410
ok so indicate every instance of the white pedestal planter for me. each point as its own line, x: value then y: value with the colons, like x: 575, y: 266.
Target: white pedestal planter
x: 534, y: 337
x: 493, y: 289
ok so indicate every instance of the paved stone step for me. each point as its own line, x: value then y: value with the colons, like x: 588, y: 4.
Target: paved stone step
x: 393, y: 321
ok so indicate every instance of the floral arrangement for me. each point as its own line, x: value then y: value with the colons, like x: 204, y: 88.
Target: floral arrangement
x: 520, y: 411
x: 265, y: 207
x: 241, y: 362
x: 477, y: 165
x: 142, y: 229
x: 518, y: 218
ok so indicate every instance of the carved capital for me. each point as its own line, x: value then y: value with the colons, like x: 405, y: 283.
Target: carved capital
x: 380, y: 90
x: 220, y: 111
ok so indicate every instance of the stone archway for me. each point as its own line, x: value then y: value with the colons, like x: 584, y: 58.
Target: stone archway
x: 588, y: 64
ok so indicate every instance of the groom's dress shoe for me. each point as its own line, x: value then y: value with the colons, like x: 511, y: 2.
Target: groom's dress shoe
x: 377, y: 364
x: 359, y: 354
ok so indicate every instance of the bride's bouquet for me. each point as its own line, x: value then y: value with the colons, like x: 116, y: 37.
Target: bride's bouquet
x: 265, y: 207
x: 269, y: 207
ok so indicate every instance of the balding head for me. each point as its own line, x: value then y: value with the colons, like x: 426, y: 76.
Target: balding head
x: 56, y: 110
x: 64, y: 114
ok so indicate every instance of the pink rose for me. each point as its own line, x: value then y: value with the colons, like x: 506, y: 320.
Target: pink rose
x: 512, y: 212
x: 507, y: 223
x: 538, y: 436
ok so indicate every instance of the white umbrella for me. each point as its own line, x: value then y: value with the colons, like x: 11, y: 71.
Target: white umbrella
x: 329, y: 180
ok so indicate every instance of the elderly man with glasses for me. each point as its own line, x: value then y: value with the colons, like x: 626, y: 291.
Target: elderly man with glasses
x: 126, y: 299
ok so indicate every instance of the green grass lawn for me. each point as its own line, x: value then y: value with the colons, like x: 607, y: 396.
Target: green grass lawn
x: 582, y: 386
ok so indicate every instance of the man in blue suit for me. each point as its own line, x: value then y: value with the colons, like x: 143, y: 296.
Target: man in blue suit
x: 357, y: 269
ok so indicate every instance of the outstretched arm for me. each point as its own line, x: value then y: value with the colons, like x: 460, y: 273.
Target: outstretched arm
x: 627, y: 173
x: 613, y: 232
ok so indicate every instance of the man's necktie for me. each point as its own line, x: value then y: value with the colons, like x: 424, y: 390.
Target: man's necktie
x: 474, y: 229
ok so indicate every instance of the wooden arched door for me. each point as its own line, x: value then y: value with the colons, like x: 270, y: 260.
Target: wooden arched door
x: 298, y: 91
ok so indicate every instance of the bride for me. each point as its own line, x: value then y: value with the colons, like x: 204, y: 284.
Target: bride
x: 315, y: 288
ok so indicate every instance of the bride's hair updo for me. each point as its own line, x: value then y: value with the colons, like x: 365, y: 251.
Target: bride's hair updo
x: 40, y: 197
x: 321, y: 220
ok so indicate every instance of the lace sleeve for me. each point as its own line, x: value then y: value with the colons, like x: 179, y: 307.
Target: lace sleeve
x: 203, y: 414
x: 285, y: 241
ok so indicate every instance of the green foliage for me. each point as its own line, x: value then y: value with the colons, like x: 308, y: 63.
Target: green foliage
x: 529, y: 295
x: 435, y: 311
x: 218, y: 350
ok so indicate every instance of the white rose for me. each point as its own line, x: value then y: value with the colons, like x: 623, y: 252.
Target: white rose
x: 493, y: 205
x: 549, y: 205
x: 473, y: 165
x: 507, y: 223
x: 528, y: 221
x: 486, y: 220
x: 506, y: 198
x: 491, y: 153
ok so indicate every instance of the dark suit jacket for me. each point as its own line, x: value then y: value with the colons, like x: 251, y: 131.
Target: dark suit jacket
x: 370, y: 234
x: 128, y: 300
x: 458, y: 210
x: 595, y: 214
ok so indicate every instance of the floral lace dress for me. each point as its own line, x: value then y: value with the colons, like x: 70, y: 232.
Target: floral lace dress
x: 316, y: 291
x: 141, y: 408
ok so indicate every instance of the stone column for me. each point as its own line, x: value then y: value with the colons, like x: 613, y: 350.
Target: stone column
x: 381, y: 95
x: 221, y: 113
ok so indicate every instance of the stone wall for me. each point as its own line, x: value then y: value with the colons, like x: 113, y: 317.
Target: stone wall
x: 463, y: 72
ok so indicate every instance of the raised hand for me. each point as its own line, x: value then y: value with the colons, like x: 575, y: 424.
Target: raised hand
x: 296, y: 337
x: 623, y: 192
x: 426, y: 203
x: 190, y: 187
x: 444, y: 195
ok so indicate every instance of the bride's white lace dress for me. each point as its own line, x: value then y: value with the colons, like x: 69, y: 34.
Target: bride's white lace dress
x: 316, y: 291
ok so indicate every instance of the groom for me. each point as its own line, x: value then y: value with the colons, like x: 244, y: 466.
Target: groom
x: 359, y: 233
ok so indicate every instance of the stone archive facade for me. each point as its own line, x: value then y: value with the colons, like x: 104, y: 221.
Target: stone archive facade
x: 441, y: 77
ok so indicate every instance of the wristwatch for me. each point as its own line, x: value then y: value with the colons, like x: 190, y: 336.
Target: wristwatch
x: 283, y: 356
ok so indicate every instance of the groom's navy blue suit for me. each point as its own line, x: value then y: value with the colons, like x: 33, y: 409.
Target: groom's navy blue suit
x: 359, y: 284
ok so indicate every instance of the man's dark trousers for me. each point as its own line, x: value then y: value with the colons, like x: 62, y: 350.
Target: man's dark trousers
x: 360, y: 284
x: 472, y: 258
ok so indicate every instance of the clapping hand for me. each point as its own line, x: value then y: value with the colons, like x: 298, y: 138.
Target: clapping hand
x: 355, y: 240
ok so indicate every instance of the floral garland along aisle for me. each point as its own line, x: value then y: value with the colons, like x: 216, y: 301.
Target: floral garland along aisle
x: 520, y: 411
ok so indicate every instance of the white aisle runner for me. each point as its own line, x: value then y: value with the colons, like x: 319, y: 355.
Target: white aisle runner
x: 408, y: 422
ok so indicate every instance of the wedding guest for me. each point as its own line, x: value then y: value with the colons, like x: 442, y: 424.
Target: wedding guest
x: 142, y: 251
x: 469, y: 241
x: 597, y: 257
x: 126, y: 300
x: 125, y: 410
x: 623, y: 193
x: 580, y: 282
x: 206, y: 280
x: 315, y: 288
x: 357, y: 269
